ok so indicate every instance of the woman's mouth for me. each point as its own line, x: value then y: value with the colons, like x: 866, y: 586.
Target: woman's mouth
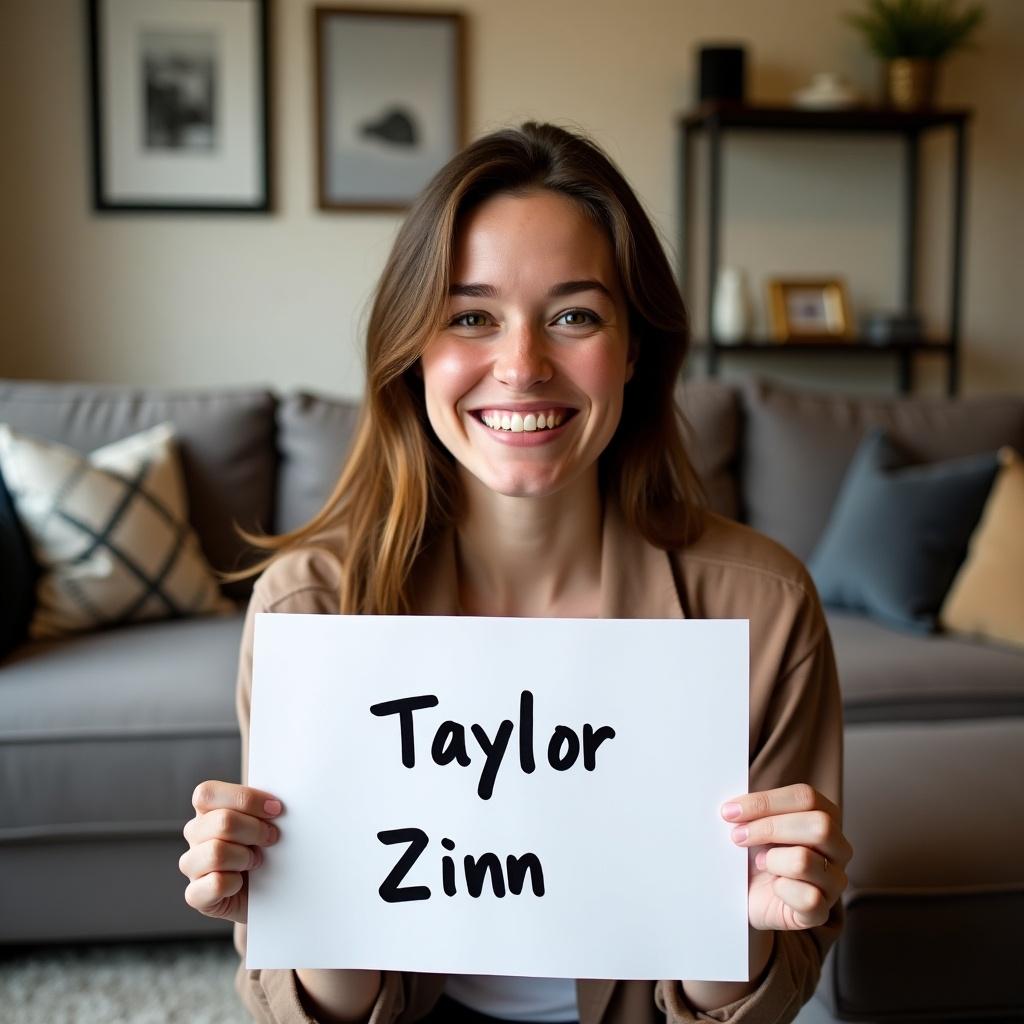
x: 516, y: 422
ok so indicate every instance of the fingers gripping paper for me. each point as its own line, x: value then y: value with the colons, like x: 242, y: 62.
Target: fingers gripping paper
x: 532, y: 797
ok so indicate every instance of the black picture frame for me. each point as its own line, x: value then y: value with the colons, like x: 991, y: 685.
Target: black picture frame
x: 171, y: 130
x: 398, y: 78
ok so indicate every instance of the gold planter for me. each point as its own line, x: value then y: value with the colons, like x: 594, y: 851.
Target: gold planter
x: 910, y: 83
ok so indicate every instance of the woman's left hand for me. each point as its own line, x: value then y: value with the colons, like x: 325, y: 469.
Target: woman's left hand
x: 798, y: 853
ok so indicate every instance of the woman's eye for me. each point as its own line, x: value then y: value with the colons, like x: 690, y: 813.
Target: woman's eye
x: 579, y: 318
x: 469, y: 319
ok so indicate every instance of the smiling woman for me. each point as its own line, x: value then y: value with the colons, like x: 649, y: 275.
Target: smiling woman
x: 520, y: 453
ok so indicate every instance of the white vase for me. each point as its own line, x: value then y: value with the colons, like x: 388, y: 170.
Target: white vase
x: 730, y: 316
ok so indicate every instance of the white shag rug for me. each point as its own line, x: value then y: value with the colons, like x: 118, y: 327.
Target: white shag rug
x: 181, y: 982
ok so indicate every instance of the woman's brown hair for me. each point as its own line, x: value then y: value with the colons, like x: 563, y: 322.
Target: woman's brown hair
x: 398, y: 489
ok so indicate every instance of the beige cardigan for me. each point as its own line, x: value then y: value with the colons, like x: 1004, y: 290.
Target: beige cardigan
x: 795, y: 736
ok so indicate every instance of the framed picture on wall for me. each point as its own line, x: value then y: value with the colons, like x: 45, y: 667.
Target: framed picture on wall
x: 179, y: 105
x: 390, y: 103
x: 809, y: 310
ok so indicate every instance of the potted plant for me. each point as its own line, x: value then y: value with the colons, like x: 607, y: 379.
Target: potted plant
x: 912, y: 36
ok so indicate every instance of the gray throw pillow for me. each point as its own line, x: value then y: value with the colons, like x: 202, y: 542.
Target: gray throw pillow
x: 899, y: 532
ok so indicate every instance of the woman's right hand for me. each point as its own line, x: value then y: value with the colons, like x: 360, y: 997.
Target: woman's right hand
x: 225, y: 841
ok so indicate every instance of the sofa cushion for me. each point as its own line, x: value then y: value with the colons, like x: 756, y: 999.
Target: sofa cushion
x: 313, y: 437
x: 108, y: 733
x: 899, y: 532
x: 109, y: 530
x: 933, y: 775
x: 932, y: 810
x: 797, y: 445
x: 891, y: 676
x: 712, y: 413
x: 987, y: 596
x: 226, y: 441
x: 79, y: 877
x: 18, y: 586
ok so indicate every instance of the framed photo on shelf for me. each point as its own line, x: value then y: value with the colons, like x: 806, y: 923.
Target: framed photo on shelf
x: 802, y: 309
x: 179, y: 105
x: 390, y: 103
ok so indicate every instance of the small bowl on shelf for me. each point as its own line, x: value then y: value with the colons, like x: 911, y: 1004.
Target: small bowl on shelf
x: 884, y: 327
x: 827, y: 91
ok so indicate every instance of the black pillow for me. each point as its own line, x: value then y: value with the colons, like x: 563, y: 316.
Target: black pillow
x: 17, y: 576
x: 898, y: 532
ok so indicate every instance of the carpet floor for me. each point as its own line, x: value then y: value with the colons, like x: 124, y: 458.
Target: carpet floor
x: 184, y: 982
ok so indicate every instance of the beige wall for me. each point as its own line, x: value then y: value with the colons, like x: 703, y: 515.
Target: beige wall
x: 185, y: 300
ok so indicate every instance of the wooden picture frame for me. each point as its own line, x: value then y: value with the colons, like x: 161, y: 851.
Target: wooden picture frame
x: 179, y: 106
x: 390, y: 103
x: 809, y: 309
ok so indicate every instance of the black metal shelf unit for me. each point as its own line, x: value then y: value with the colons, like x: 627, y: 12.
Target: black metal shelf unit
x: 715, y: 118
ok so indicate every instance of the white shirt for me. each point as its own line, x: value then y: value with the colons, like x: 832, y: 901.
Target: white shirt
x: 514, y: 998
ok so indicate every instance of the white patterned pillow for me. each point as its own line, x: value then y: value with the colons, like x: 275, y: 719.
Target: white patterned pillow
x: 109, y: 531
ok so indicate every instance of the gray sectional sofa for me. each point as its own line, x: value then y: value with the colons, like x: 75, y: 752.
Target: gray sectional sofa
x: 104, y: 736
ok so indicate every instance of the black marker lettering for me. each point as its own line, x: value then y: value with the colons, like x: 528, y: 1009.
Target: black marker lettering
x: 516, y: 868
x: 526, y: 761
x: 494, y: 752
x: 404, y: 709
x: 563, y: 734
x: 448, y: 869
x: 592, y: 739
x: 389, y: 889
x: 477, y: 868
x: 450, y: 744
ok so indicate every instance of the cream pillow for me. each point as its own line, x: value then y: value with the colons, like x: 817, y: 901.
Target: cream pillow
x: 109, y: 532
x: 987, y: 595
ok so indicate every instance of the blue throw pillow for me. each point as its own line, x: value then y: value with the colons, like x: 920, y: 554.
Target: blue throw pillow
x: 899, y: 532
x: 18, y: 577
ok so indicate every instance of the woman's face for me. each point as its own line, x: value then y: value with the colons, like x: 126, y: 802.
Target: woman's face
x: 524, y: 384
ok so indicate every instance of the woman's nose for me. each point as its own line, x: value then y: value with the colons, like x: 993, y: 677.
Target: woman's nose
x: 522, y: 359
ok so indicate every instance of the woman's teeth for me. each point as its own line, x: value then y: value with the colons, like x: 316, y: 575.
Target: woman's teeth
x: 517, y: 423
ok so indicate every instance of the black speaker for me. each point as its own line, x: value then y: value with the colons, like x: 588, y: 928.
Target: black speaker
x: 722, y: 73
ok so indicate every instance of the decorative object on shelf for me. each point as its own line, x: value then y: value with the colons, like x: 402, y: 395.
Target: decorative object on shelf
x: 912, y: 36
x: 804, y: 309
x: 731, y: 316
x: 179, y: 106
x: 390, y: 103
x: 827, y: 91
x: 723, y: 73
x: 715, y: 122
x: 883, y: 327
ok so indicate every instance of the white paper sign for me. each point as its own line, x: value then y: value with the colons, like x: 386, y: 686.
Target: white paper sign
x: 586, y: 845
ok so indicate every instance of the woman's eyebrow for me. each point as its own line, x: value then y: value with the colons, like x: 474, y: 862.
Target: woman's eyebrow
x: 474, y: 291
x: 589, y: 284
x: 488, y: 291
